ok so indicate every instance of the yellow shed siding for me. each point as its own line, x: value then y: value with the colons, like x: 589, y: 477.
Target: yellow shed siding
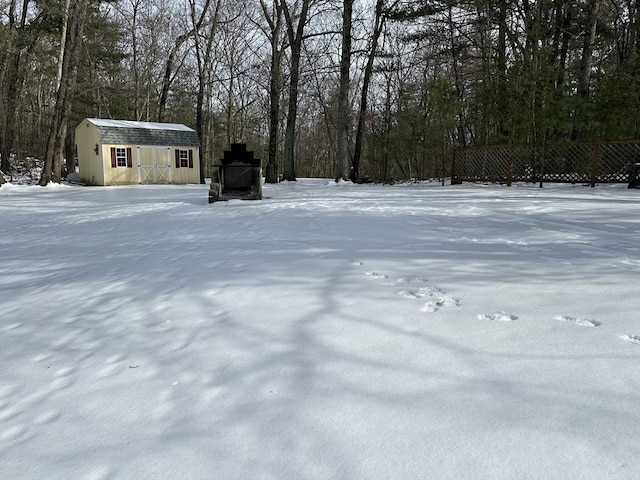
x: 89, y: 154
x: 119, y: 175
x: 187, y: 174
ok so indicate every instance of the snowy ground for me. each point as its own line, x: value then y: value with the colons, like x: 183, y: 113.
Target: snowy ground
x: 327, y: 332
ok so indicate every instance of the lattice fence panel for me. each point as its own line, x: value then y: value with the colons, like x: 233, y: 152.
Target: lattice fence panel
x: 615, y: 161
x: 525, y: 166
x: 562, y: 163
x: 568, y: 163
x: 482, y: 165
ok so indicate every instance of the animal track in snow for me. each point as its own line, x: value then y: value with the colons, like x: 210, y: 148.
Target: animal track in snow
x: 631, y: 338
x: 497, y: 317
x: 585, y: 322
x: 440, y: 298
x: 441, y: 301
x: 376, y: 275
x: 408, y: 294
x: 412, y: 280
x: 421, y: 292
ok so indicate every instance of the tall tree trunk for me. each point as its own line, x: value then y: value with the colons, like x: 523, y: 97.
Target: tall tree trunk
x: 169, y: 74
x: 636, y: 35
x: 274, y: 18
x: 565, y: 37
x: 503, y: 130
x: 21, y: 43
x: 51, y: 171
x: 342, y: 123
x: 354, y: 174
x: 586, y: 62
x: 203, y: 86
x: 203, y: 65
x: 57, y: 162
x: 460, y: 120
x: 15, y: 79
x: 63, y: 39
x: 295, y: 40
x: 135, y: 5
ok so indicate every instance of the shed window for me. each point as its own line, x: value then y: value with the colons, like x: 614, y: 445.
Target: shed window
x: 121, y: 157
x: 184, y: 158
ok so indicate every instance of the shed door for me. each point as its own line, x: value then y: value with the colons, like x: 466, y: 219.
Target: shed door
x: 154, y: 165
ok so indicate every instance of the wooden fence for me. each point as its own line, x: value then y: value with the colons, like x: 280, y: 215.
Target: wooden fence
x: 588, y: 163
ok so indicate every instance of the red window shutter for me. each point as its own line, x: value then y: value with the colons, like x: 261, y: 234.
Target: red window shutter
x: 113, y: 157
x: 129, y: 158
x: 190, y: 158
x: 177, y: 158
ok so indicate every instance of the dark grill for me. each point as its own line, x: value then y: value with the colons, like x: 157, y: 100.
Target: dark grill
x: 237, y: 175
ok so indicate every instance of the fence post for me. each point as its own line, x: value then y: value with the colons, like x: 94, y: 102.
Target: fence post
x: 594, y: 162
x: 510, y: 165
x: 541, y: 158
x: 454, y: 179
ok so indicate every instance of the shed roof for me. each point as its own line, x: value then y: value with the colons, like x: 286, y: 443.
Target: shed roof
x: 127, y: 132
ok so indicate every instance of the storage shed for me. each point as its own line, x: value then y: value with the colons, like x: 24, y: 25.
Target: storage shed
x: 121, y: 152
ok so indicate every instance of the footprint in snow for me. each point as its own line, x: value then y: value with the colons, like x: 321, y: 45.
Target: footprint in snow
x: 584, y: 322
x: 409, y: 294
x: 376, y: 275
x: 497, y: 317
x: 441, y: 301
x: 421, y: 292
x: 412, y: 280
x: 631, y: 338
x: 440, y: 298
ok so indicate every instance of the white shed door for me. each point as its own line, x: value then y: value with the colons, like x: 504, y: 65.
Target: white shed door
x: 154, y: 164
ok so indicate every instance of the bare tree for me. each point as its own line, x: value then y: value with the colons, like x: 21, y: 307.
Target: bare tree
x: 170, y: 72
x: 589, y: 38
x: 77, y: 14
x: 343, y: 94
x: 273, y: 17
x: 20, y: 41
x: 203, y: 56
x: 378, y: 25
x: 586, y: 61
x: 295, y: 33
x: 236, y: 67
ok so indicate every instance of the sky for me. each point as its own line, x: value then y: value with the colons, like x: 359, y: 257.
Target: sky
x: 329, y: 331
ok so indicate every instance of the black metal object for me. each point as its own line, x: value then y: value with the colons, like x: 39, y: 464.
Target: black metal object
x: 237, y: 175
x: 634, y: 176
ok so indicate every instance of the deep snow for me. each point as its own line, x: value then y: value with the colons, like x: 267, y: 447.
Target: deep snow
x: 326, y: 332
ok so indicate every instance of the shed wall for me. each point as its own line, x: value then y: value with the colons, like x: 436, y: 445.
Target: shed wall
x: 89, y: 162
x: 119, y: 175
x: 188, y: 174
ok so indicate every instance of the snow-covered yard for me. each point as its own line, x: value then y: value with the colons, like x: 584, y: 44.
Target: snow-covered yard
x: 327, y: 332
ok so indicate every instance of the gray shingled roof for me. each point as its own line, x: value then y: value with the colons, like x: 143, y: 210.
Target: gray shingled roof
x: 121, y: 132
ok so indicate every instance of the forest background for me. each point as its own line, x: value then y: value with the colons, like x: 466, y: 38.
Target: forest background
x: 353, y: 89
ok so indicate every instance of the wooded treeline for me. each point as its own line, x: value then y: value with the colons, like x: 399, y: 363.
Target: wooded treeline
x: 380, y: 89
